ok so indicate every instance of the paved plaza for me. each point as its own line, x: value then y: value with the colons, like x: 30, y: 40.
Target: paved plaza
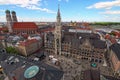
x: 74, y: 67
x: 72, y: 70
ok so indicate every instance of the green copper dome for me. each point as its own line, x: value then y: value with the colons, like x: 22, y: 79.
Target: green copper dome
x: 13, y: 12
x: 31, y: 71
x: 94, y: 65
x: 7, y: 11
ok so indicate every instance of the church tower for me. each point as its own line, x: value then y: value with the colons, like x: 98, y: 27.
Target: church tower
x: 9, y: 20
x: 14, y: 17
x: 57, y: 34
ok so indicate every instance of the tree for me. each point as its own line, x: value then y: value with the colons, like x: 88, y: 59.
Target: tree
x: 11, y: 50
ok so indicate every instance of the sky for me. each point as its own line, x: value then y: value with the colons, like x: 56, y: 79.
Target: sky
x: 71, y: 10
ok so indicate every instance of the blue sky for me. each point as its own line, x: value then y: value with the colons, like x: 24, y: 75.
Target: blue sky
x: 75, y: 10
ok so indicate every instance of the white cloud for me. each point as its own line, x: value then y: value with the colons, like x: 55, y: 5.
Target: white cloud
x: 91, y: 19
x: 29, y: 4
x: 111, y: 12
x: 2, y: 18
x: 2, y: 10
x: 19, y: 2
x: 112, y: 19
x: 59, y: 0
x: 106, y: 5
x: 48, y: 19
x: 41, y: 9
x: 64, y: 0
x: 67, y: 0
x: 30, y: 19
x: 45, y: 2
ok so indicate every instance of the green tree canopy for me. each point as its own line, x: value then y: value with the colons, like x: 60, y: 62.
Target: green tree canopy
x: 106, y: 23
x: 11, y: 50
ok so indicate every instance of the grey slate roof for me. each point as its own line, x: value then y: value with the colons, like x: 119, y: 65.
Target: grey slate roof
x: 110, y: 77
x: 3, y: 56
x: 91, y: 75
x: 116, y: 48
x: 76, y: 39
x: 98, y: 43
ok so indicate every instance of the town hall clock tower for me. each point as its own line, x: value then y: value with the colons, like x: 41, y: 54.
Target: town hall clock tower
x: 57, y: 34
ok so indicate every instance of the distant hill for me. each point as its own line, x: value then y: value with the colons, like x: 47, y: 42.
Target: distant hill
x: 114, y: 25
x: 105, y: 23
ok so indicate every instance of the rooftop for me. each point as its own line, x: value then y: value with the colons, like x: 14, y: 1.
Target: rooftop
x: 109, y: 77
x: 116, y: 48
x: 77, y: 39
x: 24, y: 25
x: 91, y: 75
x: 27, y: 42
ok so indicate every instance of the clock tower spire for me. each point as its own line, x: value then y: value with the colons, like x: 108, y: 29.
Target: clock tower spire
x: 57, y: 33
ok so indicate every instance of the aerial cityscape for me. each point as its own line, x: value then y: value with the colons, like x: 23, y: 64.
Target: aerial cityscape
x: 60, y: 40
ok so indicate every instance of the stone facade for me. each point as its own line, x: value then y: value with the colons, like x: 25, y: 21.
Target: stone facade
x: 28, y: 47
x: 9, y: 20
x: 115, y: 58
x: 57, y: 34
x: 84, y: 49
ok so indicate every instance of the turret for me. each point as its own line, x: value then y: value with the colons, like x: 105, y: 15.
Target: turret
x: 58, y: 17
x: 9, y: 20
x: 14, y: 17
x: 57, y: 34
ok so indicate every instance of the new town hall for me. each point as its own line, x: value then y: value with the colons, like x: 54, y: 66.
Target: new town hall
x: 80, y: 45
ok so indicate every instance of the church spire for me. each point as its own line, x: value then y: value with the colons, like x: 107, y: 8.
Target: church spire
x: 58, y: 13
x: 58, y: 33
x: 58, y: 16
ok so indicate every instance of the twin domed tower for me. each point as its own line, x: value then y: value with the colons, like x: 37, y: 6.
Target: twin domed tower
x: 10, y: 19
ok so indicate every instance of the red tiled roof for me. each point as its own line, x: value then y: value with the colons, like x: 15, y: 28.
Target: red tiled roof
x: 84, y: 28
x: 117, y: 34
x: 5, y: 28
x: 27, y: 42
x: 113, y: 40
x: 25, y: 36
x: 2, y: 37
x: 107, y: 36
x: 47, y: 30
x: 1, y: 29
x: 24, y: 25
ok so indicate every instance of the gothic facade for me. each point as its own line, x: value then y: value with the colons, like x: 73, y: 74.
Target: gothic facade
x: 57, y: 34
x: 85, y: 46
